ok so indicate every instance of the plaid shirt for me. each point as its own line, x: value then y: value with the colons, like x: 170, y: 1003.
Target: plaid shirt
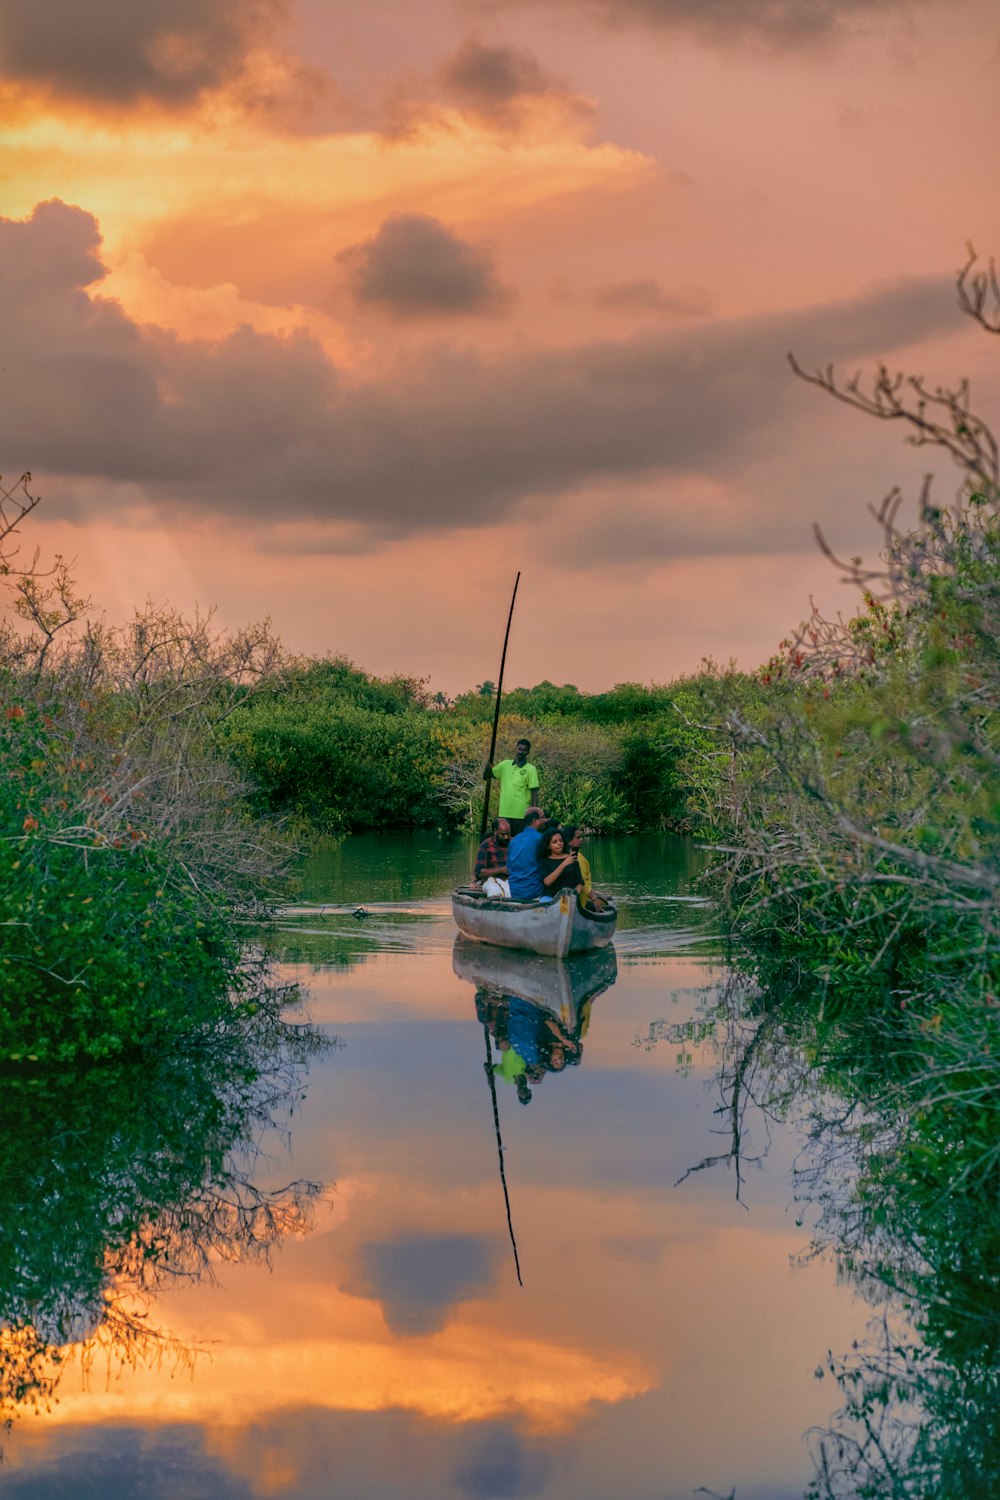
x: 490, y: 853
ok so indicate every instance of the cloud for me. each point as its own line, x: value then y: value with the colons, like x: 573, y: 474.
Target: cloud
x: 500, y: 89
x: 489, y: 79
x: 498, y: 85
x: 266, y: 428
x: 779, y: 23
x: 123, y: 54
x: 646, y: 295
x: 415, y: 266
x: 419, y: 1278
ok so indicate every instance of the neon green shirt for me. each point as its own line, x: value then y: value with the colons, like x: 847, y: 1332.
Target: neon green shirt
x: 516, y: 786
x: 510, y: 1066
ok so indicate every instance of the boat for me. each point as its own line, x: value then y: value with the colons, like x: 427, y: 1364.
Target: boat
x: 562, y: 987
x: 555, y: 928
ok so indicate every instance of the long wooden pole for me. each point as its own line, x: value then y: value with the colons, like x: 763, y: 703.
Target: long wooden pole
x: 496, y: 712
x: 486, y: 1029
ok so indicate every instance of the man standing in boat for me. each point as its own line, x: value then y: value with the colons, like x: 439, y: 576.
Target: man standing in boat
x: 518, y: 785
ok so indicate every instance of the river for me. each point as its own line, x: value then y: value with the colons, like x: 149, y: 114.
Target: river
x: 377, y: 1342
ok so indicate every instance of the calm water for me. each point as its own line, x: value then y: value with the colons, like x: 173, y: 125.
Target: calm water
x: 664, y: 1337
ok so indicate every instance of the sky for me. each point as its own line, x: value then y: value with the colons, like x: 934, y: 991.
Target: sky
x: 341, y: 315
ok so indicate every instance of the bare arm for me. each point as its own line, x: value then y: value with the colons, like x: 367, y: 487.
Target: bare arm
x: 551, y: 879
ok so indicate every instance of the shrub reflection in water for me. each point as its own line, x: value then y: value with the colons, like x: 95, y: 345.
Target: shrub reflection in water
x: 900, y: 1185
x: 121, y: 1178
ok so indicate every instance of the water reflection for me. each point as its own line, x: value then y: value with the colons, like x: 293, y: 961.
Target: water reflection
x: 660, y: 1340
x: 905, y: 1198
x: 536, y: 1010
x: 120, y: 1179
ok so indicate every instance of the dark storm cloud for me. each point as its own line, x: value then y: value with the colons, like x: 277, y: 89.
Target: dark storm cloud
x: 501, y: 89
x: 778, y: 22
x: 122, y: 52
x: 491, y: 78
x: 419, y: 1278
x: 493, y: 83
x: 645, y: 294
x: 262, y: 427
x: 416, y: 266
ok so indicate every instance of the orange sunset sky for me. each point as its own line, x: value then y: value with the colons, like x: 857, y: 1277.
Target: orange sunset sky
x: 341, y: 313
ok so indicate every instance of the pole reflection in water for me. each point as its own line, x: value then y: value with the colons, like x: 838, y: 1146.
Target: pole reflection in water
x: 120, y: 1179
x: 536, y: 1012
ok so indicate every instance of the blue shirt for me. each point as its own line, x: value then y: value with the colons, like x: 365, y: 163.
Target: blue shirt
x: 526, y: 882
x: 524, y: 1029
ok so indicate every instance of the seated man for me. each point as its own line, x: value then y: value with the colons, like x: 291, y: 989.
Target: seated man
x: 491, y: 860
x: 525, y: 880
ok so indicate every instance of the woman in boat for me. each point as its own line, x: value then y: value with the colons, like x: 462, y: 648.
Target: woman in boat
x: 588, y: 896
x: 556, y: 865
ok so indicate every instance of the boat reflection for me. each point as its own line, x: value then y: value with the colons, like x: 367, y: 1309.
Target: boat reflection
x: 536, y: 1011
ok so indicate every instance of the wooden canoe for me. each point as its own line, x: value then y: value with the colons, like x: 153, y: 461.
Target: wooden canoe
x: 556, y: 928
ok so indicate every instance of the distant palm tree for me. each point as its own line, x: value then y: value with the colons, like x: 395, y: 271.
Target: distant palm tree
x: 441, y: 700
x: 486, y: 689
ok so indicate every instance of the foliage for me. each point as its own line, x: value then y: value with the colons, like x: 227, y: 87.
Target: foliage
x: 338, y: 765
x: 338, y: 750
x: 127, y: 852
x: 862, y: 816
x: 142, y: 1044
x: 334, y: 681
x: 859, y: 820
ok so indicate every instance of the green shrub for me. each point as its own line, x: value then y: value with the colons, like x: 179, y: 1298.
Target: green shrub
x: 339, y: 766
x: 106, y: 945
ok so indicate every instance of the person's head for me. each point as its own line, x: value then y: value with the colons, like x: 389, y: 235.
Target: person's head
x: 559, y: 1049
x: 523, y: 1091
x: 501, y: 830
x: 573, y: 837
x: 521, y: 752
x: 533, y: 816
x: 553, y: 845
